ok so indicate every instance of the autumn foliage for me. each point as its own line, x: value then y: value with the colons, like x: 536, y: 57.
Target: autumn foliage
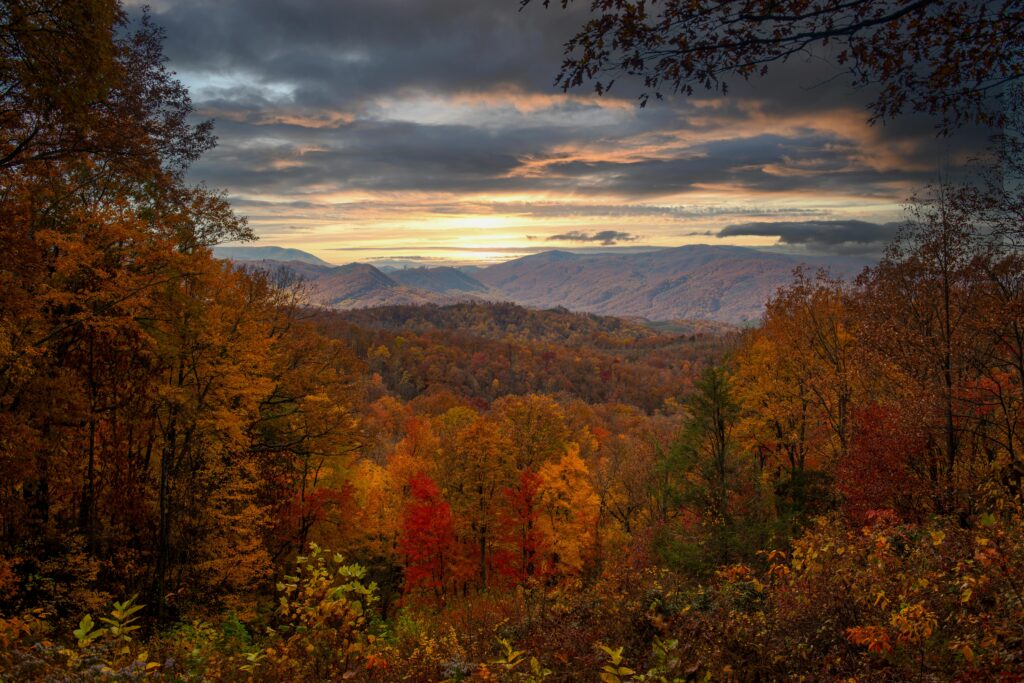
x: 506, y: 494
x: 427, y: 539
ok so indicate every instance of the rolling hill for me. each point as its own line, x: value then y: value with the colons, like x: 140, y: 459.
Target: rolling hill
x: 354, y: 285
x: 696, y: 282
x: 267, y: 254
x: 443, y: 280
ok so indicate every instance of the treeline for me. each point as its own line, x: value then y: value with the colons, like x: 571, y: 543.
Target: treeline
x: 158, y: 408
x: 484, y: 351
x: 501, y: 321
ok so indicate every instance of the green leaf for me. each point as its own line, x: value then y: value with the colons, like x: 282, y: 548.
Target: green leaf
x: 614, y: 655
x: 84, y: 627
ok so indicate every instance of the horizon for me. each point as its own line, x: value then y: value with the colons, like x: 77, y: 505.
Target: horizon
x: 402, y: 261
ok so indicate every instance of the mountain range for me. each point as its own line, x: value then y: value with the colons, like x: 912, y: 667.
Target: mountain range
x: 694, y: 282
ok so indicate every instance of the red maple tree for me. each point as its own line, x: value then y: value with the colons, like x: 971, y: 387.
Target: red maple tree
x: 428, y: 538
x: 522, y: 556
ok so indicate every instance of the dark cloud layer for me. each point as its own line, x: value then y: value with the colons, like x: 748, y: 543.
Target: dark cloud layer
x: 847, y: 236
x: 333, y: 112
x: 605, y: 237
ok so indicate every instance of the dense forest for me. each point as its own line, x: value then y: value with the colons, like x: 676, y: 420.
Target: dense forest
x: 203, y: 479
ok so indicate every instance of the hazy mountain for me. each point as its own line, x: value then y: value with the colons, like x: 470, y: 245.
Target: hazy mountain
x: 350, y: 283
x: 267, y: 254
x: 697, y: 282
x: 443, y: 280
x: 354, y: 285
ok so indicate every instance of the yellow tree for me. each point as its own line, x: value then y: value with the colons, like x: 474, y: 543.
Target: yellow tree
x: 535, y: 426
x: 772, y: 386
x: 813, y: 314
x: 212, y: 332
x: 308, y: 432
x: 476, y: 467
x: 384, y: 490
x: 570, y: 510
x: 922, y: 312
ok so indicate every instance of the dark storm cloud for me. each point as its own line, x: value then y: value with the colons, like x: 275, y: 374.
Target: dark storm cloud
x: 679, y: 212
x: 334, y: 51
x: 389, y: 155
x: 372, y: 155
x: 395, y: 156
x: 604, y: 237
x: 840, y: 237
x: 448, y: 98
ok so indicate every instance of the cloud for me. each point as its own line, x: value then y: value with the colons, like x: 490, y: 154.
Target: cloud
x: 367, y: 116
x: 605, y: 237
x: 630, y: 211
x: 851, y: 237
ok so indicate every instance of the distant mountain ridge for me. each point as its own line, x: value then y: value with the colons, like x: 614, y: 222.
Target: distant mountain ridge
x: 267, y: 254
x: 696, y: 282
x: 354, y: 285
x: 442, y: 280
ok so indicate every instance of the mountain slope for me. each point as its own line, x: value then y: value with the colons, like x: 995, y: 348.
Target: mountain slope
x: 354, y: 285
x: 267, y: 254
x: 442, y: 280
x: 503, y: 321
x: 728, y: 284
x: 352, y: 282
x: 697, y: 282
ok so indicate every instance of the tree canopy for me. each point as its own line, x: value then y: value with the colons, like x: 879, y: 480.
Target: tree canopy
x: 947, y: 58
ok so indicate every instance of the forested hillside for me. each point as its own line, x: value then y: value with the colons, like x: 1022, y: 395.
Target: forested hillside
x: 203, y: 479
x: 482, y: 352
x: 701, y: 282
x: 500, y: 321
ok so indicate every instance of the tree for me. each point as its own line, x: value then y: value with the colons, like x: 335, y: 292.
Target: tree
x: 570, y: 512
x: 920, y: 309
x: 942, y: 57
x: 536, y: 427
x: 773, y: 385
x: 522, y: 557
x: 795, y: 378
x: 157, y: 406
x: 878, y: 473
x: 428, y: 539
x: 718, y: 487
x: 213, y: 330
x: 622, y: 476
x: 706, y: 448
x: 77, y: 83
x: 475, y: 468
x: 997, y: 392
x: 306, y: 432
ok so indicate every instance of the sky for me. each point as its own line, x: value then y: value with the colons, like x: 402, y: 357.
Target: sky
x: 430, y: 131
